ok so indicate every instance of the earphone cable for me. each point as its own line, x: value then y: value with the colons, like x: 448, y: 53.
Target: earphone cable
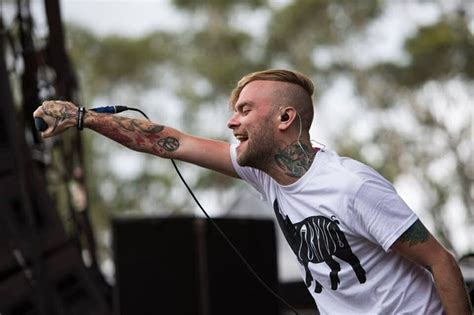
x: 299, y: 136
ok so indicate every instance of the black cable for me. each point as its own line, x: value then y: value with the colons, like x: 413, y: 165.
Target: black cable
x: 115, y: 109
x: 119, y: 108
x: 226, y: 238
x: 137, y: 110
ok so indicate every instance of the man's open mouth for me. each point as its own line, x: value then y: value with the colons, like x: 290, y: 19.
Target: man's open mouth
x: 241, y: 138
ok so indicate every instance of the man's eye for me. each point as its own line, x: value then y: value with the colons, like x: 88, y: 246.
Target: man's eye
x: 245, y: 112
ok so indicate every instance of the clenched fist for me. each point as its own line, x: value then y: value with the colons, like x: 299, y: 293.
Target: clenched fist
x: 58, y: 115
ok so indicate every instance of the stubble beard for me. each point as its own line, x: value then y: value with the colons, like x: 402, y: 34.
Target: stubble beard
x: 260, y: 149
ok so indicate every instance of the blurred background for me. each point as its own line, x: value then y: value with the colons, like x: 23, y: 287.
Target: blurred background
x: 394, y: 89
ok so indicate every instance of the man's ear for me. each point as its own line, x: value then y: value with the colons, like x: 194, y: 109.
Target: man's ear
x: 287, y: 116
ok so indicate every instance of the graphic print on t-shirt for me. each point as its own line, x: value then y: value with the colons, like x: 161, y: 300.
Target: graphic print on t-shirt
x: 315, y: 240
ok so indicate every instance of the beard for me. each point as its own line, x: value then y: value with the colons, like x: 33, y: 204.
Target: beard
x: 260, y: 148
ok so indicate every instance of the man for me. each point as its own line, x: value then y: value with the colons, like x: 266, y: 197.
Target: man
x: 361, y: 249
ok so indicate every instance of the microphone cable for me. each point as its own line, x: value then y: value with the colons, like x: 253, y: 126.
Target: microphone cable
x: 116, y: 109
x: 120, y: 108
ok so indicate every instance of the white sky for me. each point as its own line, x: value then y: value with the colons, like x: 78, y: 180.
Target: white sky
x: 133, y: 18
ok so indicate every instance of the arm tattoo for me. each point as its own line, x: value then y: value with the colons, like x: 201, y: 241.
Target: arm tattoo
x: 138, y: 135
x: 125, y: 123
x: 295, y: 159
x: 134, y: 124
x: 416, y: 234
x: 169, y: 144
x: 147, y: 127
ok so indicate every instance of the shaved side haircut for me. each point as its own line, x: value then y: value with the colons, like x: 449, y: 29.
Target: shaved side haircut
x: 297, y: 92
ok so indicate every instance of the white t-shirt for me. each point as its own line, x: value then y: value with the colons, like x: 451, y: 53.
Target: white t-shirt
x: 340, y: 219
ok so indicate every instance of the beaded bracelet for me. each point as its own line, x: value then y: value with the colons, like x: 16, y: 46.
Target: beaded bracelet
x: 80, y: 118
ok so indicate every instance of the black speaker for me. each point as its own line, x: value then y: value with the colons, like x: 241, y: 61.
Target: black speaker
x: 182, y: 265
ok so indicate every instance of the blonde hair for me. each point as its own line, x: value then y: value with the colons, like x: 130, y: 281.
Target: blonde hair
x: 304, y: 104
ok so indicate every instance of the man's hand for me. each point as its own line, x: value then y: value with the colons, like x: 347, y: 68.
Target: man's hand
x: 58, y: 115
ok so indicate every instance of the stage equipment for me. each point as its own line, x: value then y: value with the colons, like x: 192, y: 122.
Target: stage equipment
x: 182, y: 265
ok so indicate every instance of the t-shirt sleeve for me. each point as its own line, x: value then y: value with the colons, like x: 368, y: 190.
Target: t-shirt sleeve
x: 381, y: 214
x: 256, y: 178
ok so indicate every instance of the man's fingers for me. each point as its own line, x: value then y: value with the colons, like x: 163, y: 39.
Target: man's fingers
x: 38, y: 112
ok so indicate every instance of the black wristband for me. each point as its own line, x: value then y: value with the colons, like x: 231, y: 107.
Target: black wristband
x: 80, y: 118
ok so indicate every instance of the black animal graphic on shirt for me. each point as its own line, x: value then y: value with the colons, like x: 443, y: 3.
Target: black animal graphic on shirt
x: 315, y: 240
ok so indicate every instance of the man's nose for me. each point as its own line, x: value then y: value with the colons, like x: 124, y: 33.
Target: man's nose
x: 233, y: 122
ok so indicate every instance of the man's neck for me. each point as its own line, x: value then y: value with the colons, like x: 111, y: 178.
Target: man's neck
x: 292, y: 162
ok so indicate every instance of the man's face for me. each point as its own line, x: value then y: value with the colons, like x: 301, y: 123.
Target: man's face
x: 254, y: 124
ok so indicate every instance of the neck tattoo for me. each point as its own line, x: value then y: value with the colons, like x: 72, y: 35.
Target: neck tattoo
x: 295, y: 159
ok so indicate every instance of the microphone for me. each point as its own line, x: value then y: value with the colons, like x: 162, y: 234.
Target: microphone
x: 40, y: 124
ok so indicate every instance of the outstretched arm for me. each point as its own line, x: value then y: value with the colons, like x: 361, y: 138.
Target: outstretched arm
x: 140, y: 135
x: 418, y: 245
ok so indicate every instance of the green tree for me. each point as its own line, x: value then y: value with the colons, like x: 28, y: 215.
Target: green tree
x: 432, y: 89
x: 197, y: 68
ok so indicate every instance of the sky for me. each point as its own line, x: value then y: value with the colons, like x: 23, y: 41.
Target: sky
x: 132, y: 18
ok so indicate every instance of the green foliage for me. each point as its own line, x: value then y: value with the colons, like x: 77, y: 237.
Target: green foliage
x: 216, y: 54
x: 303, y: 25
x: 219, y: 54
x: 437, y: 52
x: 440, y: 51
x: 115, y: 60
x: 223, y: 6
x: 438, y: 55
